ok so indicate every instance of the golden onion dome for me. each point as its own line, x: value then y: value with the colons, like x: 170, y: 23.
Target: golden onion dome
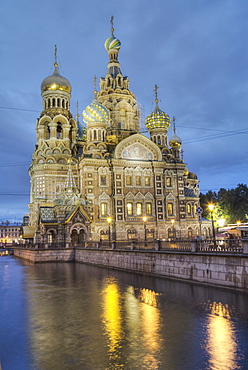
x: 175, y: 141
x: 55, y: 82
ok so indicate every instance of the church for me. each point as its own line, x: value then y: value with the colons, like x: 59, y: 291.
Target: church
x: 106, y: 180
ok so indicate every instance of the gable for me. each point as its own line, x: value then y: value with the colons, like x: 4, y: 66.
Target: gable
x: 138, y: 147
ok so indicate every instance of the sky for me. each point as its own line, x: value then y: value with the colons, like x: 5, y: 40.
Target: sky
x: 196, y: 51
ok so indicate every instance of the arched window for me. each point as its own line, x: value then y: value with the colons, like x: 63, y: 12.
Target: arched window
x: 188, y: 209
x: 139, y: 209
x: 148, y: 208
x: 131, y: 234
x: 190, y: 233
x: 170, y: 209
x: 168, y: 181
x: 103, y: 209
x: 129, y: 209
x: 59, y: 130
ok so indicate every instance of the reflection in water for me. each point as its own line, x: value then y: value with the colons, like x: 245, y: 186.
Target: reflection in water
x: 112, y: 319
x: 151, y: 337
x: 221, y: 341
x: 66, y: 316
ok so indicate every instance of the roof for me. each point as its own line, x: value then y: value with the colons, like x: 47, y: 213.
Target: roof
x: 47, y: 214
x: 189, y: 193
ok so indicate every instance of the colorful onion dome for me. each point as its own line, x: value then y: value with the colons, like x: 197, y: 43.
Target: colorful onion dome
x: 112, y: 43
x: 95, y: 112
x: 175, y: 141
x: 157, y: 119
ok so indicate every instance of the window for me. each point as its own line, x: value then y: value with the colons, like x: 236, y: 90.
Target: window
x: 103, y: 209
x: 139, y: 209
x: 129, y: 209
x: 170, y: 209
x: 103, y: 180
x: 147, y: 180
x: 168, y: 181
x: 138, y: 180
x: 148, y: 208
x: 188, y: 209
x: 128, y: 180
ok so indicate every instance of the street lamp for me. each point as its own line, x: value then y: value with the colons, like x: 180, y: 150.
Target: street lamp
x: 211, y: 209
x: 173, y: 229
x: 144, y: 220
x: 109, y: 220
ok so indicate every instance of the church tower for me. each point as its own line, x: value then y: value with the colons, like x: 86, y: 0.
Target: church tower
x: 56, y: 133
x: 116, y: 97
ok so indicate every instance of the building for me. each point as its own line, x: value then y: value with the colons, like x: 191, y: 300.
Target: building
x: 9, y: 233
x: 107, y: 180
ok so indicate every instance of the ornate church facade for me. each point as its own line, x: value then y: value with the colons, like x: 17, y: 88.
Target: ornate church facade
x: 107, y: 181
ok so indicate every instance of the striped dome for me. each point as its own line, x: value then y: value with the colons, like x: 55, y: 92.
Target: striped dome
x: 95, y: 112
x: 157, y: 119
x: 112, y: 43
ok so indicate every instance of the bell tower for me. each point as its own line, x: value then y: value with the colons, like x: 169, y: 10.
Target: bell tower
x: 56, y: 139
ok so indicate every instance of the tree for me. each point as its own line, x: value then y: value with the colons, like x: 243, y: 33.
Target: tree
x: 231, y: 204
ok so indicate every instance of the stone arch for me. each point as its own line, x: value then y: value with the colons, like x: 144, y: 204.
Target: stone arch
x: 78, y: 234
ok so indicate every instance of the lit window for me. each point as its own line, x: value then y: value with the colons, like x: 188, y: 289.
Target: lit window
x: 168, y: 181
x: 170, y: 209
x: 188, y: 209
x: 148, y: 208
x: 129, y: 209
x: 147, y: 180
x: 103, y: 209
x: 139, y: 209
x: 138, y: 180
x: 128, y: 180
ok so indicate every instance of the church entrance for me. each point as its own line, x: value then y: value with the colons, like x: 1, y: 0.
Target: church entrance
x: 77, y: 238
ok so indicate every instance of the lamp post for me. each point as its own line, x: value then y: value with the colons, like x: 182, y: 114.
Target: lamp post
x: 109, y: 220
x: 211, y: 209
x: 173, y: 229
x: 144, y: 220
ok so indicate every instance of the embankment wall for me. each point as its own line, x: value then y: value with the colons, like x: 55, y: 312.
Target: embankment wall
x: 225, y: 270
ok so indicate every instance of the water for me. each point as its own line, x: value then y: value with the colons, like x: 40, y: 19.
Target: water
x: 75, y: 316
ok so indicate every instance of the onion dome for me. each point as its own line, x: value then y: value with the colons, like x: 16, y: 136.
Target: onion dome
x: 55, y: 81
x: 158, y: 118
x: 112, y: 43
x: 95, y: 112
x: 175, y: 141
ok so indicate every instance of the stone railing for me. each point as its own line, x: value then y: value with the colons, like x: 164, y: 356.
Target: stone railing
x: 211, y: 246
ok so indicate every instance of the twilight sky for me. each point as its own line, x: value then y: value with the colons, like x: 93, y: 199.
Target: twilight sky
x: 196, y: 51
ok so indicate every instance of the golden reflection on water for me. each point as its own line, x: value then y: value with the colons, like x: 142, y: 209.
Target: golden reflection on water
x: 221, y: 341
x: 139, y: 317
x: 151, y: 337
x: 111, y: 317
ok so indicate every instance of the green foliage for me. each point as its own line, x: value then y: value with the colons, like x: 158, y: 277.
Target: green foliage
x: 230, y: 204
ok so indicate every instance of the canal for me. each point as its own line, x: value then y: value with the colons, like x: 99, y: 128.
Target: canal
x: 76, y: 316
